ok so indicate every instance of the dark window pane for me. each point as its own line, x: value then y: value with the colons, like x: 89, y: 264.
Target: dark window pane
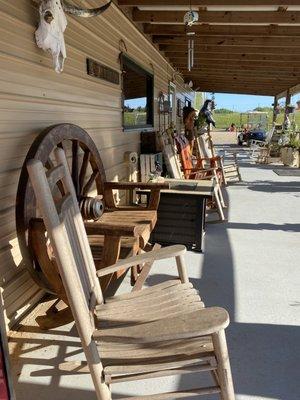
x: 137, y: 95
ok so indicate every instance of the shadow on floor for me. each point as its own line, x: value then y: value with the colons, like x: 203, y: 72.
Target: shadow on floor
x: 265, y: 226
x: 271, y: 186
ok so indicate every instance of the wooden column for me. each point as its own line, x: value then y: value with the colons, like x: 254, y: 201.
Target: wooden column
x: 274, y: 109
x: 287, y: 102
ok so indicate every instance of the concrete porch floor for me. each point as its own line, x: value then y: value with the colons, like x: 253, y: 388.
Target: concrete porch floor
x: 250, y: 266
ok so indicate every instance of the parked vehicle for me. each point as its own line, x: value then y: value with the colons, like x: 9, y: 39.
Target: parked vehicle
x: 255, y: 127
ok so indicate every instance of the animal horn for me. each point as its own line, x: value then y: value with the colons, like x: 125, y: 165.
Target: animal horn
x: 84, y: 12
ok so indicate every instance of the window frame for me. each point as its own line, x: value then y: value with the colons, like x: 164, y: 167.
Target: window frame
x: 125, y: 60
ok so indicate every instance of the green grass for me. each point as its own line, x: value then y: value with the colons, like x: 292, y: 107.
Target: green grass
x: 135, y: 118
x: 223, y: 121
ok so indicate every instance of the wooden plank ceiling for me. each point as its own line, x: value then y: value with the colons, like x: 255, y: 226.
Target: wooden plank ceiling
x: 241, y: 46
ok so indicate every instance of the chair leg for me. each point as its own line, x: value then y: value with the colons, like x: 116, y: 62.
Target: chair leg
x: 218, y: 203
x: 102, y: 390
x: 221, y: 196
x: 223, y: 368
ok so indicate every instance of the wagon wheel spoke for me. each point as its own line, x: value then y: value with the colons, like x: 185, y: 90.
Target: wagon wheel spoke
x: 83, y: 169
x: 49, y: 165
x: 89, y: 183
x: 75, y: 168
x: 62, y: 146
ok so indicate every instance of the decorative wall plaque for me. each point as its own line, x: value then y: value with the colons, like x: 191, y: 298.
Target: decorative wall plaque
x: 100, y: 71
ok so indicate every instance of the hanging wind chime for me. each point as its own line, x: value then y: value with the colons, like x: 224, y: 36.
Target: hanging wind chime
x: 189, y: 19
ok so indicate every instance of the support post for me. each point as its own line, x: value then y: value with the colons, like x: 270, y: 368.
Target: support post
x: 275, y: 109
x: 287, y: 102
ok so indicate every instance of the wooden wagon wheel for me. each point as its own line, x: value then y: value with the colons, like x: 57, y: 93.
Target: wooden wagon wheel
x: 88, y: 175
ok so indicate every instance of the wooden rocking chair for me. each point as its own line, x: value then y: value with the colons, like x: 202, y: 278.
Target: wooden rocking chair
x: 207, y: 157
x: 198, y: 171
x: 159, y: 331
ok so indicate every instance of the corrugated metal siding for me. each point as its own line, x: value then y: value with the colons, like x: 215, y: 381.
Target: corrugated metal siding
x: 33, y: 96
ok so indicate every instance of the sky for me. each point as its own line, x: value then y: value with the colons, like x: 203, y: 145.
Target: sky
x: 241, y: 102
x: 235, y: 102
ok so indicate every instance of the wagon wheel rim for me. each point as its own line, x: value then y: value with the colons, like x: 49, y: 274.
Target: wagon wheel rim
x: 87, y: 173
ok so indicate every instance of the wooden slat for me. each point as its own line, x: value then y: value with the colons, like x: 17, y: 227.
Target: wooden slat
x: 148, y: 290
x: 258, y: 58
x: 237, y: 89
x: 220, y: 17
x: 223, y: 30
x: 169, y: 300
x: 177, y: 395
x: 231, y: 74
x: 210, y: 49
x: 173, y: 312
x: 262, y: 41
x: 244, y: 65
x: 140, y: 299
x: 190, y: 325
x: 151, y: 375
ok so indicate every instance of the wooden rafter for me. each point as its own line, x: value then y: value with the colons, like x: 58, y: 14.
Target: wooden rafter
x: 275, y: 51
x: 219, y: 17
x: 241, y: 73
x: 223, y: 30
x: 263, y: 41
x: 244, y: 80
x: 241, y: 65
x: 231, y: 87
x: 294, y: 60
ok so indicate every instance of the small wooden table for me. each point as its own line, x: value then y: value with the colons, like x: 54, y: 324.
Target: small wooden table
x: 181, y: 213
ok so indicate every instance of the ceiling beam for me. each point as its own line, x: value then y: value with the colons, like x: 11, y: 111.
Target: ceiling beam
x: 223, y: 30
x: 262, y: 41
x: 264, y: 65
x: 241, y: 73
x: 182, y: 49
x: 295, y: 60
x: 275, y: 51
x: 243, y: 81
x: 245, y: 89
x: 219, y: 17
x: 208, y: 3
x: 271, y: 68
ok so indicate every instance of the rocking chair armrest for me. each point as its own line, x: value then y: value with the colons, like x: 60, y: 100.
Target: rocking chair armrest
x: 200, y: 169
x: 112, y: 229
x: 136, y: 185
x: 210, y: 158
x: 167, y: 252
x: 154, y: 188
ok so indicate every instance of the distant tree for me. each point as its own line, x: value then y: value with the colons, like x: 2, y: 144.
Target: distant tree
x: 198, y: 100
x: 263, y: 109
x: 223, y: 111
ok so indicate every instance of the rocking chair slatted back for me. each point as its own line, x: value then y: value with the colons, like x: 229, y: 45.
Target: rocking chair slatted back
x: 71, y: 248
x: 70, y: 241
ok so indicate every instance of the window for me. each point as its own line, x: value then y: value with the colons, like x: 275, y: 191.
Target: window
x: 137, y: 95
x: 188, y: 102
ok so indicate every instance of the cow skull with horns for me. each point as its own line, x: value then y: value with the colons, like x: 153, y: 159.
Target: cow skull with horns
x: 53, y: 22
